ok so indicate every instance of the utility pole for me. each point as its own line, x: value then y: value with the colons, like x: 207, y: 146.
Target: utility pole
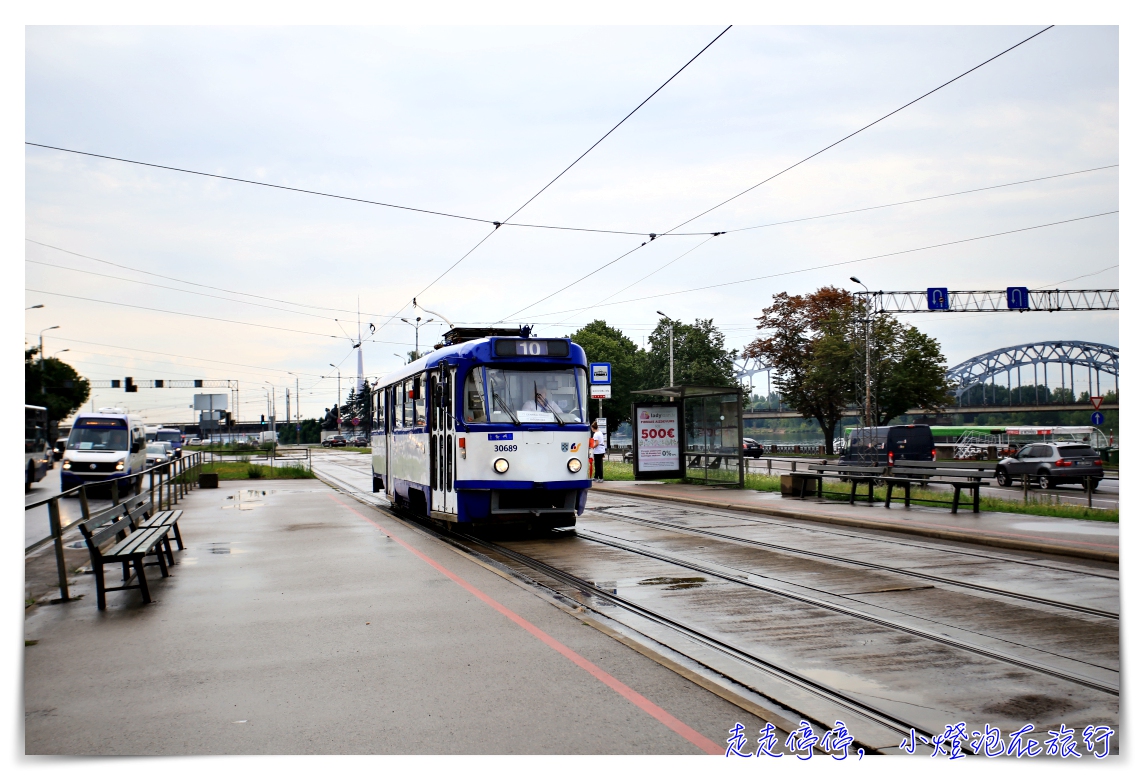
x: 670, y: 350
x: 866, y: 310
x: 42, y: 388
x: 339, y: 407
x: 417, y: 332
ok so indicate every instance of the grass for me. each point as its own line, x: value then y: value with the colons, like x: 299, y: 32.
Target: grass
x: 242, y: 470
x: 622, y: 472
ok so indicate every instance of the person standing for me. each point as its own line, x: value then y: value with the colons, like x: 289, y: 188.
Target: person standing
x: 598, y: 446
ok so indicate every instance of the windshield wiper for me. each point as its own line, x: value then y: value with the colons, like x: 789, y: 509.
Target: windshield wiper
x: 499, y: 400
x: 555, y: 413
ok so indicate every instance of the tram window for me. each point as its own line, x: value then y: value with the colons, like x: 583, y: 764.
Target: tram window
x: 399, y: 405
x: 418, y: 401
x: 475, y: 397
x: 536, y: 396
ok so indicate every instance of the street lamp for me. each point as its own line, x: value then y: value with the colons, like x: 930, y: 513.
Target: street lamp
x: 417, y: 332
x: 866, y: 307
x: 37, y: 306
x: 42, y: 346
x: 339, y: 397
x: 670, y: 349
x: 62, y: 351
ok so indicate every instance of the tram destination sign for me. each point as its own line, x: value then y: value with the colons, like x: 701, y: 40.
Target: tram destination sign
x: 656, y: 439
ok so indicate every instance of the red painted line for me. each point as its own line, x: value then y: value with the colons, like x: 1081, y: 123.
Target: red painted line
x: 657, y: 712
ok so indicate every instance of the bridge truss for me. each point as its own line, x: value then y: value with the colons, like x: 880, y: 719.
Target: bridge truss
x: 1095, y: 359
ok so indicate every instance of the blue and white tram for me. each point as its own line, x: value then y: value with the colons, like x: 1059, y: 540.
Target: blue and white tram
x: 487, y: 430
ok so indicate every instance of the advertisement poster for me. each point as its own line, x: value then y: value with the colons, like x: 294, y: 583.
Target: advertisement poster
x: 657, y: 438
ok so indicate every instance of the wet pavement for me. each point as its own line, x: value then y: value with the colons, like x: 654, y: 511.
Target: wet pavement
x: 1049, y: 535
x: 300, y: 621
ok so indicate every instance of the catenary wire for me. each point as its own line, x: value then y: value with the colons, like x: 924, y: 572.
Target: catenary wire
x: 496, y: 225
x: 861, y: 129
x: 844, y: 262
x: 197, y: 316
x: 773, y: 176
x: 197, y: 284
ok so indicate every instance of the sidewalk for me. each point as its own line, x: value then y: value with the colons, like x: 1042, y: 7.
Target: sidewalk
x: 300, y: 621
x: 1052, y: 535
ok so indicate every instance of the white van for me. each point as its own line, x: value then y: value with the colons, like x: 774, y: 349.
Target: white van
x: 103, y: 445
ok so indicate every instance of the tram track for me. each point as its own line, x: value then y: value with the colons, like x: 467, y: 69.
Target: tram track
x: 473, y: 545
x: 589, y: 595
x: 611, y: 513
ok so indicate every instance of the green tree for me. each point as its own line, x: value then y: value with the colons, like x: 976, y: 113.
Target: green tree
x: 55, y: 385
x: 700, y: 355
x: 907, y: 371
x: 811, y: 351
x: 605, y: 344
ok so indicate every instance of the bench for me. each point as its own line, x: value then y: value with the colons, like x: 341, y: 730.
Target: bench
x: 167, y: 518
x: 856, y: 475
x: 128, y: 546
x: 964, y: 475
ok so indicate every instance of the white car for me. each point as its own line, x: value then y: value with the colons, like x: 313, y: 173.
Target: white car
x: 159, y: 452
x: 194, y: 442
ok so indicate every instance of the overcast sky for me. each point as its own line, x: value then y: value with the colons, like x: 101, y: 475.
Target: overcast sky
x: 474, y: 121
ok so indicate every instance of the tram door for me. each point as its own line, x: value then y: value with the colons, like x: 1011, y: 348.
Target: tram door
x: 441, y: 440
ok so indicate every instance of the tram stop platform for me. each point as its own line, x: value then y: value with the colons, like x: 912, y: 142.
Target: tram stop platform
x: 300, y: 621
x: 1093, y: 539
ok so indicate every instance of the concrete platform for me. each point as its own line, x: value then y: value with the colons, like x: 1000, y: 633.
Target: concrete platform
x: 1091, y: 539
x: 300, y: 621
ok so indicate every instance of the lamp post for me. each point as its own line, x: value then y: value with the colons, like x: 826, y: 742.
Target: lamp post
x: 417, y: 332
x: 42, y: 356
x: 37, y: 306
x: 670, y: 349
x: 297, y: 406
x: 62, y: 351
x: 866, y: 311
x: 339, y: 408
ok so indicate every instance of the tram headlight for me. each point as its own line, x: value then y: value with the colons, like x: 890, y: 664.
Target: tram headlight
x: 500, y: 465
x: 66, y: 465
x: 119, y: 466
x: 574, y: 465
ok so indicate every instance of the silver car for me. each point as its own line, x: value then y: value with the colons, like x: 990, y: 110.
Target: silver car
x: 159, y: 452
x: 1052, y: 463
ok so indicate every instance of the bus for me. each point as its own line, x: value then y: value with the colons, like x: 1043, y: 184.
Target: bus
x: 37, y: 448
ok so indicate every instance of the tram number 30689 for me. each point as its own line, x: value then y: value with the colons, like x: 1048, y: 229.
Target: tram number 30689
x: 505, y: 448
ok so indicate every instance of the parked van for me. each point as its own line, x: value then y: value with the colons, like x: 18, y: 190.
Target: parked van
x: 103, y: 445
x: 886, y: 444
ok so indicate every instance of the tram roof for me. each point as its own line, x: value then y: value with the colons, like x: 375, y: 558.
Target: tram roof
x: 481, y: 351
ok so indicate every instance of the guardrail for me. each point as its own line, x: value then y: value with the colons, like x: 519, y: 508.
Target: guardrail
x: 178, y: 477
x: 281, y: 455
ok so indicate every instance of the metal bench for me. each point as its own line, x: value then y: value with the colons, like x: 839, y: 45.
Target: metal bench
x: 127, y: 545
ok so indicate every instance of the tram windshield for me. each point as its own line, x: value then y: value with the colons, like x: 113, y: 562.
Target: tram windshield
x: 548, y: 396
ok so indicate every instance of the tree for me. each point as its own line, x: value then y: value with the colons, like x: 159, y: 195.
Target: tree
x: 700, y: 357
x: 818, y: 348
x: 55, y: 385
x: 907, y: 370
x: 811, y: 351
x: 604, y: 344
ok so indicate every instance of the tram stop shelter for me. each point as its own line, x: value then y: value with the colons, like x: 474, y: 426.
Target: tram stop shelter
x: 712, y: 426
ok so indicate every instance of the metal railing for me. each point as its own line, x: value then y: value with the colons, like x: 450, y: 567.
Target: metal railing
x: 177, y: 478
x: 277, y: 456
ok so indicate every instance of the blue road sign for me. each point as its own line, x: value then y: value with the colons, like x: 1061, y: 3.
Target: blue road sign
x: 937, y: 298
x: 1097, y: 418
x: 600, y: 373
x: 1017, y: 297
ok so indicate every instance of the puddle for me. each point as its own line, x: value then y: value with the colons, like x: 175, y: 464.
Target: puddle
x: 675, y: 583
x: 219, y: 548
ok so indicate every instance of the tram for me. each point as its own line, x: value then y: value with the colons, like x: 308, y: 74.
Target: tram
x: 490, y: 429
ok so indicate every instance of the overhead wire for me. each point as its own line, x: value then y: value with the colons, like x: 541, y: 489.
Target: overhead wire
x: 780, y: 173
x: 198, y: 284
x: 197, y: 316
x: 496, y: 225
x: 845, y: 262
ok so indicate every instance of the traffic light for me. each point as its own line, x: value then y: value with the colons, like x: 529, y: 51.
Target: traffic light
x: 263, y: 420
x: 129, y: 385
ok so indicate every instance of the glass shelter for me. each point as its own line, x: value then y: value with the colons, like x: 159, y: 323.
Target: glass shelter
x: 713, y: 431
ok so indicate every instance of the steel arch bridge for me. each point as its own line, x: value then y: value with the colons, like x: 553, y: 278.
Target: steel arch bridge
x: 1096, y: 359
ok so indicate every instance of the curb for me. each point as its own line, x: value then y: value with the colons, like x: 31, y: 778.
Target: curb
x: 955, y: 536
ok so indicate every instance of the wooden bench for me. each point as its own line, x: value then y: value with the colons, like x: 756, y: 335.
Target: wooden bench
x: 856, y: 475
x: 127, y: 545
x: 167, y: 518
x: 960, y: 476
